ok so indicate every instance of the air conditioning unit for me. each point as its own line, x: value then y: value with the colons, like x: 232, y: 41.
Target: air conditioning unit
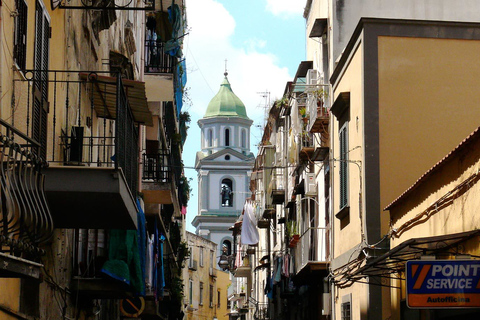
x: 310, y: 185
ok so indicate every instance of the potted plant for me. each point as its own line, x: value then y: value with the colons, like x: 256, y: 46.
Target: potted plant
x: 303, y: 112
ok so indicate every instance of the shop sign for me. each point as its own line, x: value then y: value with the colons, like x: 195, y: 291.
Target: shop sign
x: 443, y: 283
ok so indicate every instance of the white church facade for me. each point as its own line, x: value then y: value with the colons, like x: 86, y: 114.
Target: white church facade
x: 223, y: 167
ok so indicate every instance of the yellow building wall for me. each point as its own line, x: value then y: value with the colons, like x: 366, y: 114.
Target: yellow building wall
x: 458, y: 215
x: 223, y: 282
x: 428, y: 103
x: 10, y: 288
x: 347, y: 236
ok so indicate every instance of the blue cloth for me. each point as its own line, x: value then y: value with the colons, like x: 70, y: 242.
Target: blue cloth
x: 142, y: 242
x: 161, y: 278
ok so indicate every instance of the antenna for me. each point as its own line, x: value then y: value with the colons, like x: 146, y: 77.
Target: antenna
x: 225, y: 73
x: 266, y: 106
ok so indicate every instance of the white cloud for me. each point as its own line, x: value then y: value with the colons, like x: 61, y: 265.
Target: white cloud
x: 207, y: 47
x: 211, y: 28
x: 286, y: 7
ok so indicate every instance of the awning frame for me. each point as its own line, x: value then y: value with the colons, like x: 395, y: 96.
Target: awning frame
x: 391, y: 265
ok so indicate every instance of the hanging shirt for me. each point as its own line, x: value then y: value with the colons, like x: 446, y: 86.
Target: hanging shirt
x: 249, y: 226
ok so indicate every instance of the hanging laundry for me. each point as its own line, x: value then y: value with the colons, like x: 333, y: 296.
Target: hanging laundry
x: 149, y: 264
x: 278, y: 270
x: 249, y: 227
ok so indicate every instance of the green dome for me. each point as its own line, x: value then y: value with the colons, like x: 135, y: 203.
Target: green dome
x: 226, y: 103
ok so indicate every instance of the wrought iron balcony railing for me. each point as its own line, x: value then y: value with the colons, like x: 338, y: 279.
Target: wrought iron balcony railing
x: 156, y: 167
x: 156, y: 58
x: 99, y: 117
x: 261, y: 311
x: 25, y: 219
x: 311, y: 247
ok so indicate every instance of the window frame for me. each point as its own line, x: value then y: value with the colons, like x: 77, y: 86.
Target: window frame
x: 20, y: 35
x: 343, y: 169
x: 190, y: 293
x: 211, y: 296
x: 223, y: 202
x: 226, y: 137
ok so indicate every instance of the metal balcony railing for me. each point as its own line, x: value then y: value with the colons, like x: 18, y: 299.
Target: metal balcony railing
x: 25, y: 219
x: 98, y: 127
x: 156, y: 59
x: 312, y: 247
x: 261, y: 312
x: 156, y: 167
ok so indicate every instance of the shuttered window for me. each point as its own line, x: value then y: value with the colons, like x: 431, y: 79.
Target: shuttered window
x: 20, y: 45
x: 343, y: 135
x: 40, y: 90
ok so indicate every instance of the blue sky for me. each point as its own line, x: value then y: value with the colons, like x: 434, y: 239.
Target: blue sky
x: 263, y: 42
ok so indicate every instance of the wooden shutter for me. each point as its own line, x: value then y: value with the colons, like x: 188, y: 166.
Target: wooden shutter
x: 40, y: 88
x: 343, y: 167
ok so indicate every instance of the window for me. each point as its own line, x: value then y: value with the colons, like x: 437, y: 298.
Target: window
x: 227, y: 193
x: 210, y: 138
x: 20, y: 46
x: 218, y: 299
x: 227, y: 247
x: 201, y: 257
x: 190, y: 293
x: 244, y: 139
x: 346, y: 311
x: 40, y: 88
x: 211, y: 258
x: 211, y: 296
x: 190, y: 258
x: 201, y: 294
x: 227, y: 137
x: 343, y: 136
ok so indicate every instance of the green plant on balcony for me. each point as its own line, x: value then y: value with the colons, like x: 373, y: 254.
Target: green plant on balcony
x: 292, y: 228
x: 303, y: 112
x: 184, y: 126
x: 183, y: 254
x: 185, y: 190
x: 282, y: 102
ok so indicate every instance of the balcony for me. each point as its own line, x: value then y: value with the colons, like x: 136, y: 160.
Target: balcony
x: 192, y: 265
x: 261, y: 312
x: 90, y: 272
x: 311, y: 250
x: 307, y: 146
x: 212, y: 272
x: 157, y: 178
x: 156, y: 58
x: 25, y: 219
x: 93, y: 151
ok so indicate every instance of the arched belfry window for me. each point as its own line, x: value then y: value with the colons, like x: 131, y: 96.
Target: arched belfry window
x: 227, y: 137
x: 244, y: 138
x: 210, y: 138
x: 227, y: 193
x: 227, y: 247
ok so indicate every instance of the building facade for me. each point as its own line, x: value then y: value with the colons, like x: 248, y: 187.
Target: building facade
x: 91, y: 221
x: 205, y: 286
